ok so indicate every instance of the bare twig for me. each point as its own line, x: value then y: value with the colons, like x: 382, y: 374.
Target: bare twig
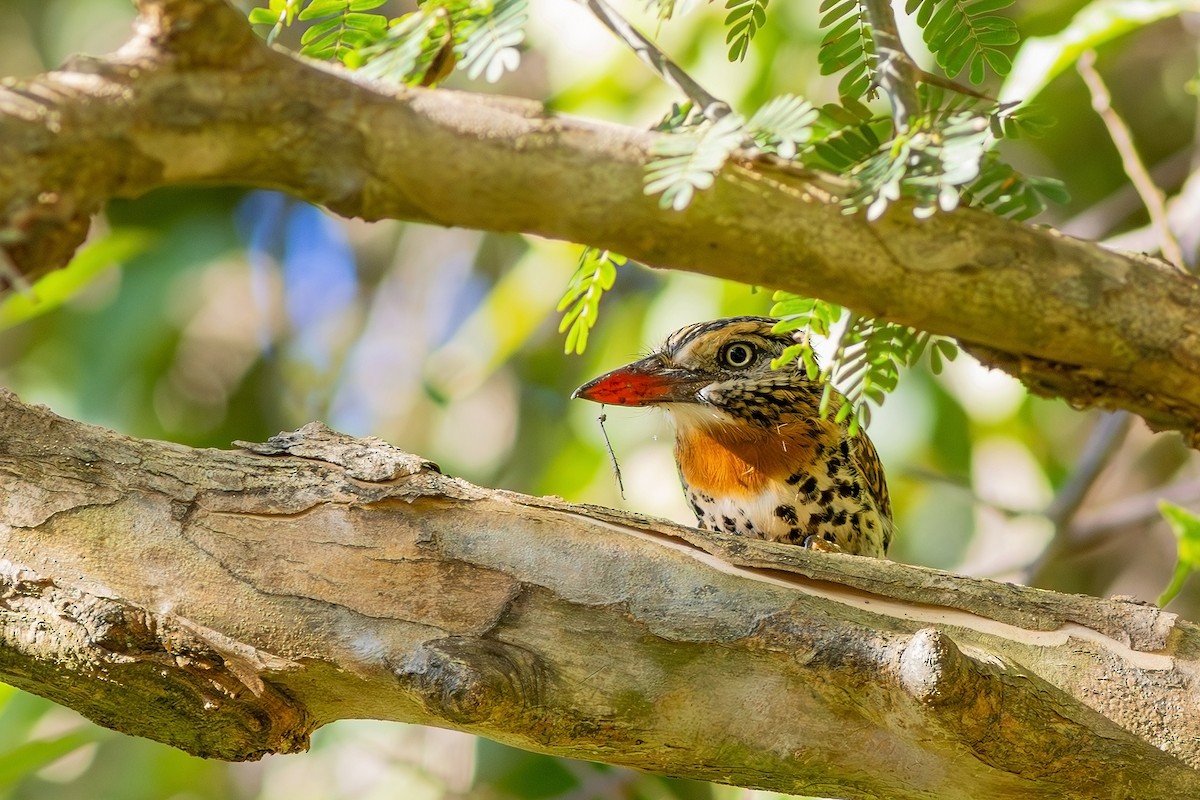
x: 10, y: 276
x: 1098, y: 220
x: 1102, y: 445
x: 712, y: 107
x: 896, y: 72
x: 1139, y: 176
x: 1132, y: 510
x: 1105, y: 440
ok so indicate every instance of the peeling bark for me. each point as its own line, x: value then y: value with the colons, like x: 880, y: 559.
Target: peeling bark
x: 194, y: 97
x: 230, y: 602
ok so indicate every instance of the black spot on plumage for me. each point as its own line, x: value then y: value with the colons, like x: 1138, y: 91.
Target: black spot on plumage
x: 808, y: 489
x: 839, y: 518
x: 794, y: 534
x: 832, y: 466
x: 828, y: 536
x: 730, y: 524
x: 844, y: 449
x: 849, y: 489
x: 827, y: 497
x: 787, y: 514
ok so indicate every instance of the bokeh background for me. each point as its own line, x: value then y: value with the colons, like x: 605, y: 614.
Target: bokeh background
x: 234, y: 314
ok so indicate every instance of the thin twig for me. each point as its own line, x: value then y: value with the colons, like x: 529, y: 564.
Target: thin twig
x: 1139, y: 176
x: 712, y: 107
x: 1133, y: 510
x: 1103, y: 443
x: 13, y: 277
x: 896, y: 72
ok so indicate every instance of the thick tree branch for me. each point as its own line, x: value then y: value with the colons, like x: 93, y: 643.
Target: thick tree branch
x: 195, y: 98
x: 230, y: 602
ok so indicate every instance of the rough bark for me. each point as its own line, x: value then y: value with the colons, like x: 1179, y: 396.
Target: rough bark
x: 194, y: 97
x: 230, y: 602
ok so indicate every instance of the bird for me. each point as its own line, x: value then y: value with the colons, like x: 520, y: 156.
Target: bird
x: 755, y: 455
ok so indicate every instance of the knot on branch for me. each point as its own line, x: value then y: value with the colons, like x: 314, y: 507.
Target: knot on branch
x: 932, y: 668
x: 1015, y: 721
x: 208, y: 694
x: 194, y: 31
x: 470, y: 681
x: 370, y: 459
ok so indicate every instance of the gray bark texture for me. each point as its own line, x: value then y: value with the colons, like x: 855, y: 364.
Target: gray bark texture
x: 230, y: 602
x: 195, y: 97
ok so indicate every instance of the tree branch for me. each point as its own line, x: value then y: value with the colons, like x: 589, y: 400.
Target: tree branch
x: 195, y: 98
x: 228, y: 603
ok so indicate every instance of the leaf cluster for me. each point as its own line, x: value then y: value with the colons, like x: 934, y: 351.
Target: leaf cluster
x: 595, y: 274
x: 689, y: 159
x: 744, y: 19
x: 867, y: 358
x: 966, y: 34
x: 482, y: 38
x: 847, y: 44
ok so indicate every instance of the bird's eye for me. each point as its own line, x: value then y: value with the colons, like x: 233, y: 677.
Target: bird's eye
x: 738, y: 355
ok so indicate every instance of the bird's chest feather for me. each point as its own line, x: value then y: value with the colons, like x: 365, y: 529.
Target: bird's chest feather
x: 725, y: 462
x: 787, y: 486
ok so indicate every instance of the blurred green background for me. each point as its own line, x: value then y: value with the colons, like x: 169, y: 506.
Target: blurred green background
x: 243, y: 313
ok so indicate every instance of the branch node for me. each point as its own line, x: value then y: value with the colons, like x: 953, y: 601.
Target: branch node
x: 932, y: 667
x: 471, y: 681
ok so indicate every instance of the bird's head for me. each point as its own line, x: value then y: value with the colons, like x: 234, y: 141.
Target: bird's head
x: 710, y: 372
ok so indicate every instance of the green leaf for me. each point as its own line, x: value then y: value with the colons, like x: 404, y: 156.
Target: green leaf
x: 782, y: 124
x: 400, y: 55
x: 57, y: 287
x: 847, y: 43
x: 323, y: 8
x: 963, y: 34
x: 595, y: 274
x: 744, y: 19
x: 29, y: 757
x: 687, y: 162
x: 263, y: 16
x: 1186, y: 527
x: 489, y: 43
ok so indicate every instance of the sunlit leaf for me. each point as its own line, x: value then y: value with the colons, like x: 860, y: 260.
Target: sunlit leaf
x: 59, y: 286
x: 1186, y: 527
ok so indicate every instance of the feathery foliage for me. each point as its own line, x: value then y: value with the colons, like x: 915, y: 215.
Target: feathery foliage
x: 966, y: 34
x: 847, y: 44
x: 595, y: 274
x: 687, y: 161
x: 867, y: 358
x: 421, y: 47
x: 744, y: 19
x: 689, y: 158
